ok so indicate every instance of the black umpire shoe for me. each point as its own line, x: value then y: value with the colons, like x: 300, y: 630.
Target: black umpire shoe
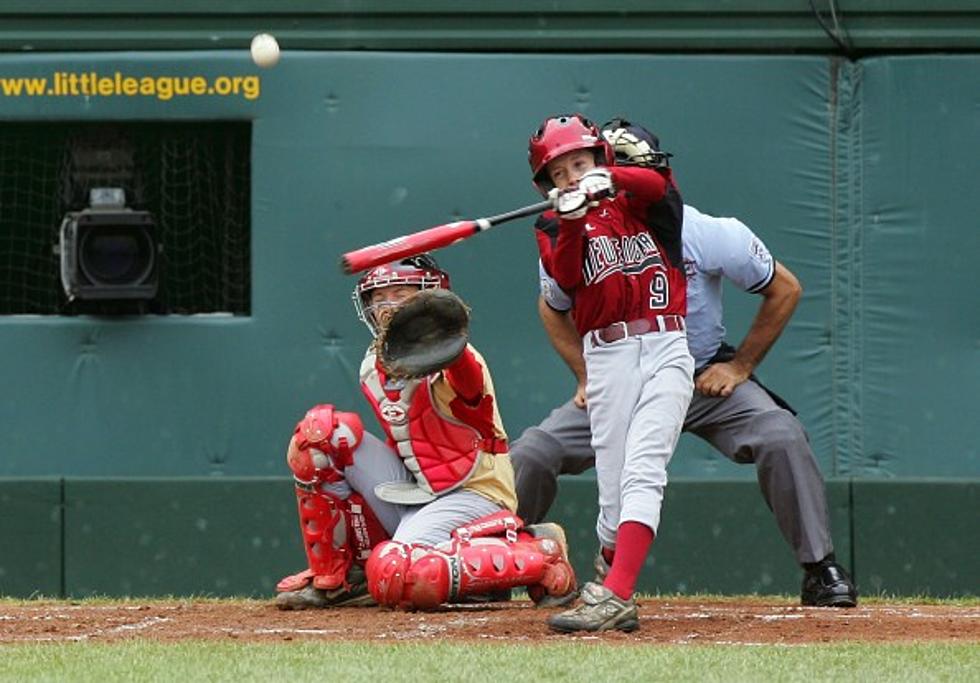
x: 828, y: 585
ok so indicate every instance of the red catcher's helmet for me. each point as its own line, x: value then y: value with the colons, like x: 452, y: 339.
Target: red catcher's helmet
x: 561, y: 134
x: 421, y: 271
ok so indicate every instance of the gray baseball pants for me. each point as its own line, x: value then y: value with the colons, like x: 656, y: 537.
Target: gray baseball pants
x: 430, y: 524
x: 746, y: 427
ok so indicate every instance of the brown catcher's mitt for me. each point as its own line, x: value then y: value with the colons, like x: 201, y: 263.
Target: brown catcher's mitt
x: 426, y: 334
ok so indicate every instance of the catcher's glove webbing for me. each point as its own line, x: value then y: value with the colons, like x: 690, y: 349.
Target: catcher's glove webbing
x: 425, y: 334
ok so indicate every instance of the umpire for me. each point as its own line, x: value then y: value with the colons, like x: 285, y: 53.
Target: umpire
x: 730, y: 409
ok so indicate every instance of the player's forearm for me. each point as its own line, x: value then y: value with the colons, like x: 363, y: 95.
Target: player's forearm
x: 564, y: 337
x: 465, y: 376
x: 779, y: 301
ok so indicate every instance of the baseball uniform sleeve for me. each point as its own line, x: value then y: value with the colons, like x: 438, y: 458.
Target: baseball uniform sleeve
x: 735, y: 252
x: 552, y: 294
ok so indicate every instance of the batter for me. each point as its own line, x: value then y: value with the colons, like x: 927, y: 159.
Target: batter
x: 618, y: 255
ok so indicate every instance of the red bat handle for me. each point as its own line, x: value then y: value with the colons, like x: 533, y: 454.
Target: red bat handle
x: 407, y: 245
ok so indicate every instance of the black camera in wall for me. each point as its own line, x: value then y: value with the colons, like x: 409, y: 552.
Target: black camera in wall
x: 108, y: 251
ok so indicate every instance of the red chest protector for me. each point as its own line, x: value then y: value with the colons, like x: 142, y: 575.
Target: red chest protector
x: 442, y: 452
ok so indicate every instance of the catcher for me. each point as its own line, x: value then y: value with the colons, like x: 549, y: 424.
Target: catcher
x: 427, y: 516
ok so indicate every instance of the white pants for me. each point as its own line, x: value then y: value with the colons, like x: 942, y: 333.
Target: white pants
x: 638, y: 392
x: 431, y: 524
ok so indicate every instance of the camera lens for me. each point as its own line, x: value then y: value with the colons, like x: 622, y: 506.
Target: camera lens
x: 112, y: 255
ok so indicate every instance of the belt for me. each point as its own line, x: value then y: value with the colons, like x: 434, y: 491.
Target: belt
x: 633, y: 328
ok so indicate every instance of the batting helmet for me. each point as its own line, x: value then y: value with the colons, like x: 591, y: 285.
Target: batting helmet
x: 559, y: 135
x: 420, y: 271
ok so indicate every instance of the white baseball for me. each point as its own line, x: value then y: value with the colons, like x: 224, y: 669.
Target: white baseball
x: 265, y: 50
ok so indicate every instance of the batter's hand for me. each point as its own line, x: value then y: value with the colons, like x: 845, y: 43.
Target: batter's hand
x: 574, y: 202
x: 720, y: 379
x: 579, y: 398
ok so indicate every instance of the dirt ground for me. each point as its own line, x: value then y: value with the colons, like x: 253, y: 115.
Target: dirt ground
x: 672, y: 620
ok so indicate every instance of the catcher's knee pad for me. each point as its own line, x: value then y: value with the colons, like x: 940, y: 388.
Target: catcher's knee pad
x: 387, y: 570
x: 407, y: 576
x: 324, y: 440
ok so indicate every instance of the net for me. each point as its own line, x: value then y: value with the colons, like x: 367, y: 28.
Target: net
x: 193, y: 177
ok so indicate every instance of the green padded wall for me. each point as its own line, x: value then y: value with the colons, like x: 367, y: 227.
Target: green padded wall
x: 31, y: 537
x: 917, y: 343
x: 238, y: 536
x: 917, y: 537
x: 829, y: 161
x: 180, y: 536
x: 350, y: 149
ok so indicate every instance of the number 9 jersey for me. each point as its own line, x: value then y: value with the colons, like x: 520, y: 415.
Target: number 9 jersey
x: 623, y: 260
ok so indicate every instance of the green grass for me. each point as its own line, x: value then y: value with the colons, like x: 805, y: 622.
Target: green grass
x: 583, y: 661
x: 877, y: 599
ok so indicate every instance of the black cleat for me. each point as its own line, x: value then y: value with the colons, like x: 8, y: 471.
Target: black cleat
x: 828, y: 585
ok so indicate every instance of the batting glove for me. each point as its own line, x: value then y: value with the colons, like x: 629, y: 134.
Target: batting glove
x: 574, y: 202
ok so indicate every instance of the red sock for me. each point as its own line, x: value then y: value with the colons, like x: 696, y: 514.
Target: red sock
x: 633, y: 541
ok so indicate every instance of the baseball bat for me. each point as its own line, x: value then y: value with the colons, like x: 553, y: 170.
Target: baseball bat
x: 429, y: 239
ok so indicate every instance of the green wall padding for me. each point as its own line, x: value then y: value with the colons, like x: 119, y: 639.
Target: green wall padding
x: 918, y: 243
x: 917, y: 537
x: 239, y: 536
x: 857, y: 175
x: 354, y: 148
x: 30, y: 538
x: 206, y: 537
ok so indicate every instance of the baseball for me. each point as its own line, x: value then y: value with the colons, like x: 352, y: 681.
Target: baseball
x: 265, y: 50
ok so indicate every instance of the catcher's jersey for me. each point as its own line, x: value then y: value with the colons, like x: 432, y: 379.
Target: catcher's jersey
x: 493, y: 475
x: 622, y: 260
x: 713, y: 248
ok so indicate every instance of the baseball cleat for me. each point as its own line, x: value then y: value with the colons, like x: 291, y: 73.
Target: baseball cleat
x: 354, y: 594
x: 828, y: 586
x: 601, y: 610
x: 317, y: 598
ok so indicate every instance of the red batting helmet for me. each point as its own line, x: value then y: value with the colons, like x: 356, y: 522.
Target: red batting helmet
x: 421, y: 271
x: 561, y: 134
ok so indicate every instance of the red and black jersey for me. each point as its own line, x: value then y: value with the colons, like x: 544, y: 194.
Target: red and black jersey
x: 623, y: 259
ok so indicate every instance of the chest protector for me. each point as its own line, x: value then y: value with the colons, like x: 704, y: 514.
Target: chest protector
x: 440, y: 451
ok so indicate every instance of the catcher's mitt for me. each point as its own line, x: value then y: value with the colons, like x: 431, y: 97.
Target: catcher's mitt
x: 425, y: 334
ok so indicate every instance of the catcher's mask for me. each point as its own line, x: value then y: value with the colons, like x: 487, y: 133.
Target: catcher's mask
x: 559, y: 135
x: 634, y: 145
x: 420, y: 271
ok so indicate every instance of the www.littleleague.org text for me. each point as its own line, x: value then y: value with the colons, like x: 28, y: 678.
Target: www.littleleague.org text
x: 93, y: 84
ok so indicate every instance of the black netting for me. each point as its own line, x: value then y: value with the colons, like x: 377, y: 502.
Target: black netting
x: 193, y: 177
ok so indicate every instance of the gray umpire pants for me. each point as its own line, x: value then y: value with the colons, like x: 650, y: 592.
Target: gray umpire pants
x: 746, y: 427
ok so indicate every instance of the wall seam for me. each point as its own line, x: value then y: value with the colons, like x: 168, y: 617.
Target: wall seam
x: 62, y: 541
x: 856, y: 290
